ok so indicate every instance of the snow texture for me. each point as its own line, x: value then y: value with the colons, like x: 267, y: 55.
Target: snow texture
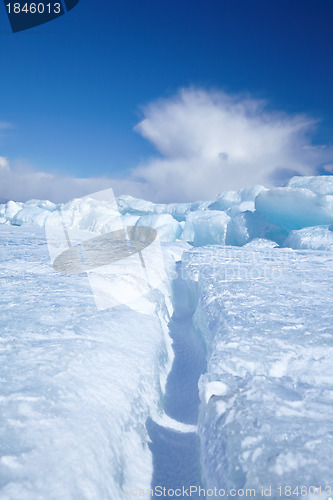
x: 84, y: 392
x: 265, y: 315
x: 77, y: 384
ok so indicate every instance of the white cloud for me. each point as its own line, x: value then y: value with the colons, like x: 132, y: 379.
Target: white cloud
x: 20, y: 182
x: 328, y: 168
x: 4, y: 164
x: 208, y: 142
x: 212, y: 142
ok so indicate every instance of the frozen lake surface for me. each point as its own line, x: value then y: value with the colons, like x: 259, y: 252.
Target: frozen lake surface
x: 219, y: 376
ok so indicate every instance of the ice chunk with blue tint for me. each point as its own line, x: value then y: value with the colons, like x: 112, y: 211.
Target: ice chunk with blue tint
x: 311, y: 238
x: 206, y: 227
x: 246, y: 226
x: 8, y: 211
x: 321, y: 184
x: 244, y: 206
x: 228, y: 199
x: 30, y: 214
x: 295, y: 208
x: 167, y: 227
x: 129, y: 205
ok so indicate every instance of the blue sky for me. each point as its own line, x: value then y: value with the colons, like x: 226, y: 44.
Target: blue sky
x: 73, y: 89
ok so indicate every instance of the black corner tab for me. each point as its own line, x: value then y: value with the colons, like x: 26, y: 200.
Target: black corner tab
x: 23, y: 14
x: 70, y: 4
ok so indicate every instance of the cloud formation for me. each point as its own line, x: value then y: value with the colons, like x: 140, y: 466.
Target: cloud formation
x: 207, y: 142
x: 213, y: 142
x: 20, y: 182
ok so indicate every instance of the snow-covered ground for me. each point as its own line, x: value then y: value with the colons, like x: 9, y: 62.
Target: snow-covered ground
x: 77, y: 384
x: 266, y: 414
x: 97, y: 403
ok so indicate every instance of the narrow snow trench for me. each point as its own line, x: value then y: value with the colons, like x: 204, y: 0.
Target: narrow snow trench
x: 176, y: 454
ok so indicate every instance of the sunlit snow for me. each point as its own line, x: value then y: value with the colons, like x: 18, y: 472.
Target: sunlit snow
x: 219, y: 374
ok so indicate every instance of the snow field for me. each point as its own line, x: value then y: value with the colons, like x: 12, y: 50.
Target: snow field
x: 77, y: 384
x: 266, y: 412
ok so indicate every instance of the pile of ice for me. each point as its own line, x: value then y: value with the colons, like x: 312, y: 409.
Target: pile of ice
x: 266, y: 417
x: 233, y: 218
